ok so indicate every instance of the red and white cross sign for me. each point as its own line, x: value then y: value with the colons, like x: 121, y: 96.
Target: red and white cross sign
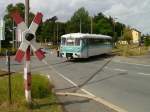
x: 28, y: 35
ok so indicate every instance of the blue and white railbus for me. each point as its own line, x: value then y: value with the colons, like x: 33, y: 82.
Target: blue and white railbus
x: 79, y: 45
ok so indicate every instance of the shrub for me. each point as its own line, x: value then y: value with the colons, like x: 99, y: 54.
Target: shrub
x: 11, y: 51
x: 147, y: 41
x: 40, y: 88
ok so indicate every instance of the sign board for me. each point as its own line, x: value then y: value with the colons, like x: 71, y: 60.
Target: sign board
x: 2, y: 30
x: 28, y: 36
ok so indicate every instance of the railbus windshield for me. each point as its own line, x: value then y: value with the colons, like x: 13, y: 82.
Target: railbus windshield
x: 70, y: 41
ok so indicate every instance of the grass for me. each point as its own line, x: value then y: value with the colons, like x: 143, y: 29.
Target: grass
x: 130, y: 50
x: 43, y: 99
x: 11, y: 51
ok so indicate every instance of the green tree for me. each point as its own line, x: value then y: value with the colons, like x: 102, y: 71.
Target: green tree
x: 127, y: 34
x: 47, y: 30
x: 103, y: 27
x: 81, y: 16
x: 146, y: 39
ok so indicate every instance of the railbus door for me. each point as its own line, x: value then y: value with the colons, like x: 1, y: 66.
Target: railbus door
x: 85, y: 48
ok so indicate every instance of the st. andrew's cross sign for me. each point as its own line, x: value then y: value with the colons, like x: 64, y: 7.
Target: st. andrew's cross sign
x: 28, y: 39
x: 28, y: 36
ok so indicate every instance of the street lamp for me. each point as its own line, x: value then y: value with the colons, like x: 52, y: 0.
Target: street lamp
x: 114, y: 24
x: 13, y: 34
x: 114, y: 30
x: 57, y: 31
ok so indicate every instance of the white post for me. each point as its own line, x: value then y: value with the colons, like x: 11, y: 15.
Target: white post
x: 27, y: 77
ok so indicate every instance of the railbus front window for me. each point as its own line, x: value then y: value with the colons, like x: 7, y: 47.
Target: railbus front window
x: 70, y: 42
x: 63, y: 41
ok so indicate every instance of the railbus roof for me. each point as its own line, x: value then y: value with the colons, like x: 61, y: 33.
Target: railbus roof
x: 85, y: 35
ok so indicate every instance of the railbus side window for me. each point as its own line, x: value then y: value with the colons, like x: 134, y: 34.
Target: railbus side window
x: 77, y: 41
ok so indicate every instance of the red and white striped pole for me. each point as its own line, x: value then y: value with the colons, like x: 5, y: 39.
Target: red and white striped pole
x: 27, y: 71
x: 27, y: 77
x: 28, y: 41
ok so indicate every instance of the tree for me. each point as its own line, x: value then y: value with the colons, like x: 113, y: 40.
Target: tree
x: 103, y: 27
x: 80, y: 17
x: 145, y: 39
x: 127, y: 34
x: 47, y: 30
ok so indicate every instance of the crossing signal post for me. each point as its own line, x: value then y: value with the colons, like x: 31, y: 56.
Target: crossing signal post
x: 28, y: 40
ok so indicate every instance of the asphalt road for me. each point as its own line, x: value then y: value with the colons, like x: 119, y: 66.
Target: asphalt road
x: 122, y: 83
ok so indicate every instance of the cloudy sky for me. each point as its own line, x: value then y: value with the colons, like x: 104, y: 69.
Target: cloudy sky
x: 135, y: 13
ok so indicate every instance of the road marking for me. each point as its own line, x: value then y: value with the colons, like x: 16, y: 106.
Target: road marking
x: 98, y: 99
x: 131, y: 63
x: 121, y: 70
x: 144, y: 74
x: 116, y: 69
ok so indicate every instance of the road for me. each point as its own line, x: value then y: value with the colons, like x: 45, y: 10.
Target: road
x: 121, y: 83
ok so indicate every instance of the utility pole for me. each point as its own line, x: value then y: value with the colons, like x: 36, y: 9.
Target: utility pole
x: 57, y: 32
x: 91, y: 25
x: 114, y: 31
x: 27, y: 12
x: 27, y: 71
x: 80, y: 25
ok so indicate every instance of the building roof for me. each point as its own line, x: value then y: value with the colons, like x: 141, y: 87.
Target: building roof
x: 85, y: 35
x: 135, y: 30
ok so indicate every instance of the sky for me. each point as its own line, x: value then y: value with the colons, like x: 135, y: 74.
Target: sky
x: 135, y: 13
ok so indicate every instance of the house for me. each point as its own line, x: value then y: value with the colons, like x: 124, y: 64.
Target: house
x: 136, y: 36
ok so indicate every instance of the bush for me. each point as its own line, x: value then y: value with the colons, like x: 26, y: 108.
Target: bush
x: 130, y: 50
x: 53, y: 46
x: 11, y: 51
x: 147, y: 41
x: 40, y: 88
